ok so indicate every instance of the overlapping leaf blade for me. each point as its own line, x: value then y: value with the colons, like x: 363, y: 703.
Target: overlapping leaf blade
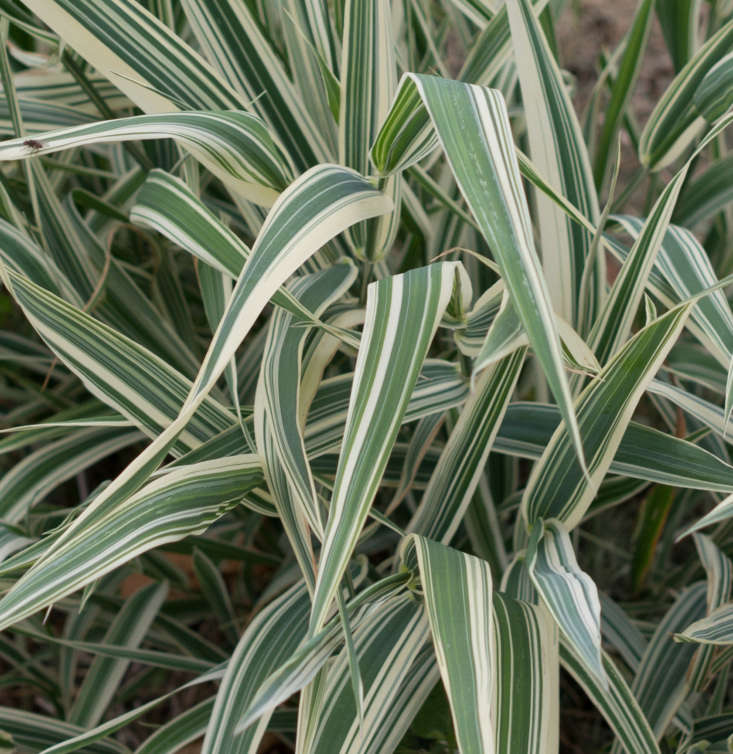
x: 557, y: 487
x: 403, y: 313
x: 182, y: 502
x: 458, y: 599
x: 472, y: 125
x: 559, y: 152
x: 569, y: 593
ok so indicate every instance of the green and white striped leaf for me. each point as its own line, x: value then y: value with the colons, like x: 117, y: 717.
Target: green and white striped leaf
x: 674, y: 123
x: 557, y: 487
x: 123, y: 374
x: 20, y: 253
x: 32, y: 479
x: 558, y: 150
x: 105, y: 674
x: 235, y: 145
x: 105, y: 729
x: 526, y: 680
x: 39, y: 116
x: 215, y: 592
x: 403, y: 312
x: 569, y: 593
x: 492, y: 49
x: 706, y: 194
x: 721, y: 512
x: 38, y: 732
x: 269, y: 640
x: 315, y: 208
x: 629, y: 66
x: 684, y: 265
x: 138, y: 53
x: 311, y: 42
x: 181, y: 502
x: 458, y: 599
x: 178, y: 731
x: 167, y: 205
x: 660, y: 684
x: 704, y: 411
x: 612, y: 328
x: 398, y: 670
x: 472, y: 126
x: 505, y: 335
x: 719, y: 571
x: 715, y: 628
x: 46, y: 84
x: 715, y: 94
x: 678, y: 19
x: 615, y: 702
x: 278, y: 432
x: 368, y: 608
x: 231, y: 39
x: 462, y: 462
x: 368, y: 82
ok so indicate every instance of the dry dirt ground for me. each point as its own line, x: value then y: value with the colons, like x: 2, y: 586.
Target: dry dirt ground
x: 587, y: 27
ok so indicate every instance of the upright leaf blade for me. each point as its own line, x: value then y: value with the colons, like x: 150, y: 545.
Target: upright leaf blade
x: 472, y: 125
x: 526, y: 678
x: 557, y: 487
x: 458, y: 598
x: 559, y: 152
x: 462, y: 462
x: 403, y: 312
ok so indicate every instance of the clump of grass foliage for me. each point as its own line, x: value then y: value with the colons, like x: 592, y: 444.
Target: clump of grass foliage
x: 354, y: 404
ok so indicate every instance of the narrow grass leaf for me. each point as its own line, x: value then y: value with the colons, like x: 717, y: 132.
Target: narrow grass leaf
x: 182, y: 502
x: 179, y: 731
x: 526, y: 686
x: 369, y: 608
x: 41, y: 731
x: 403, y: 312
x: 458, y: 598
x: 611, y: 329
x: 557, y: 487
x: 660, y: 684
x: 232, y: 41
x: 315, y: 208
x: 715, y: 628
x: 674, y: 123
x: 569, y: 593
x: 269, y: 640
x: 105, y: 674
x: 629, y: 67
x: 472, y: 125
x: 234, y: 144
x: 397, y: 668
x: 615, y: 702
x: 462, y: 462
x: 138, y: 53
x: 559, y: 152
x: 368, y: 82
